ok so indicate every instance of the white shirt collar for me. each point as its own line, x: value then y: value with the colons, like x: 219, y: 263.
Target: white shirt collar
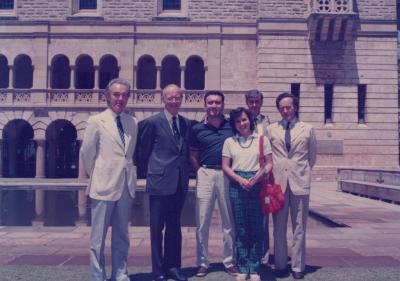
x: 252, y: 136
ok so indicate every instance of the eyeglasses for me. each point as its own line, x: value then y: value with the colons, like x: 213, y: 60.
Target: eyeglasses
x: 119, y: 95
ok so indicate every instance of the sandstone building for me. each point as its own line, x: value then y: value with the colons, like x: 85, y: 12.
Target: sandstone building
x: 339, y: 56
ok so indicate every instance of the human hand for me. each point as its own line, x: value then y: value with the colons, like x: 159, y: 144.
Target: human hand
x: 244, y: 183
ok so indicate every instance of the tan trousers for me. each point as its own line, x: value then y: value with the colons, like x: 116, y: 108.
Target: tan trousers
x: 298, y: 207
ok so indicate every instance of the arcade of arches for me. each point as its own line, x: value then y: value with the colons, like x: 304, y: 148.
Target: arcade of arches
x: 57, y: 155
x: 84, y: 74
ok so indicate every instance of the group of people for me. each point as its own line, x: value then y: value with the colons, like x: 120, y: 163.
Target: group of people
x: 225, y: 155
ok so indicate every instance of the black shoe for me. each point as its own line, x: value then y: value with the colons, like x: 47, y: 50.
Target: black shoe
x: 281, y: 272
x: 176, y: 274
x: 160, y: 278
x: 298, y: 275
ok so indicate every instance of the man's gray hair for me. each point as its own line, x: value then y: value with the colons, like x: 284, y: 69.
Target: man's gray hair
x: 120, y: 81
x: 253, y: 94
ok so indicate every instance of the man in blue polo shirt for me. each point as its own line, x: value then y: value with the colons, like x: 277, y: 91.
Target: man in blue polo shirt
x: 206, y: 141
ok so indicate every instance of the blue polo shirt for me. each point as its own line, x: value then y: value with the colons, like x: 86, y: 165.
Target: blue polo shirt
x: 209, y: 140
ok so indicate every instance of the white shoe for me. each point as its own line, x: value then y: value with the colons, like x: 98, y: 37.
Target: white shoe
x: 255, y: 277
x: 241, y: 277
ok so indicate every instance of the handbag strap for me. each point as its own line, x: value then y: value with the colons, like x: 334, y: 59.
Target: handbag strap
x: 270, y: 175
x: 261, y: 150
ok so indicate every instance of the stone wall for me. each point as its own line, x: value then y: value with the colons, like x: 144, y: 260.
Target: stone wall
x: 223, y: 10
x: 200, y: 10
x: 370, y: 61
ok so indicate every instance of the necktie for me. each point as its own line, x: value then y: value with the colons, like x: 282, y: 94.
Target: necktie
x: 287, y: 136
x: 175, y: 128
x: 120, y: 129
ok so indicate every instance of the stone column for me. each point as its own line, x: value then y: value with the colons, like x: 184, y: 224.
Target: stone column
x: 10, y: 77
x: 158, y: 83
x: 73, y: 76
x: 183, y: 77
x: 1, y: 175
x: 134, y: 84
x: 1, y: 159
x: 49, y: 76
x: 82, y: 197
x: 96, y: 77
x: 40, y: 173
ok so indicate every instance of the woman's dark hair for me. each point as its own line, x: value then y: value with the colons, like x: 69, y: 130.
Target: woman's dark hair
x: 235, y: 114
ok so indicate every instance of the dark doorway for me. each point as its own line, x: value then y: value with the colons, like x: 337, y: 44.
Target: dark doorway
x: 18, y: 158
x: 62, y: 158
x: 84, y: 73
x: 23, y: 72
x: 60, y: 73
x: 108, y: 70
x: 170, y: 71
x: 146, y: 75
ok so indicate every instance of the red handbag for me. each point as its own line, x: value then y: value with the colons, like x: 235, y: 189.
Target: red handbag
x: 271, y: 195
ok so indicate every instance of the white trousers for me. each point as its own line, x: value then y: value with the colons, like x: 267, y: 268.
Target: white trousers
x: 114, y: 214
x: 212, y: 186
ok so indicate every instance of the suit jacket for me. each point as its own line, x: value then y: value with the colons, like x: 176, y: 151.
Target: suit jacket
x: 166, y: 159
x: 293, y: 167
x: 108, y: 162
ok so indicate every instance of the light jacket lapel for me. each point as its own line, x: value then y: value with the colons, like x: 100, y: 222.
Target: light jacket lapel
x: 296, y: 131
x: 110, y: 125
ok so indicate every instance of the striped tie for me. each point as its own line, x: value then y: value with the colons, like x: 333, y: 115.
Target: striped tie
x: 120, y: 129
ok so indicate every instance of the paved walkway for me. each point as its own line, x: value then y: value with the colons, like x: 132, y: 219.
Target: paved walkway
x: 372, y: 238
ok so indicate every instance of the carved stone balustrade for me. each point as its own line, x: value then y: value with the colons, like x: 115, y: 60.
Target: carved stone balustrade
x: 331, y: 20
x: 94, y: 98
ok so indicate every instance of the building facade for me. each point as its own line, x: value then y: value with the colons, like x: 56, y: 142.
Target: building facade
x: 340, y: 57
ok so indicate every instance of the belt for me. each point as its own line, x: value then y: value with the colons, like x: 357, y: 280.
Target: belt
x: 214, y: 167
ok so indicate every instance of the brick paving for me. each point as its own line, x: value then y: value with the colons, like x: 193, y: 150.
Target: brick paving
x: 372, y: 238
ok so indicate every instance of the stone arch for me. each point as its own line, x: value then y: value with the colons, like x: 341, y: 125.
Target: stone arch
x: 109, y: 70
x: 4, y: 72
x: 23, y: 72
x: 84, y: 72
x: 170, y: 71
x: 62, y: 160
x: 18, y: 161
x: 146, y: 74
x: 60, y: 72
x: 194, y: 73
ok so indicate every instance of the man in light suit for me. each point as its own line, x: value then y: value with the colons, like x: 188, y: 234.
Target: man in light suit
x: 163, y: 147
x: 254, y: 102
x: 294, y: 154
x: 107, y: 153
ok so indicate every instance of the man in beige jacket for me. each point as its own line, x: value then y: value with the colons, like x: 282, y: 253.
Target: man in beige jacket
x: 107, y: 154
x: 294, y: 153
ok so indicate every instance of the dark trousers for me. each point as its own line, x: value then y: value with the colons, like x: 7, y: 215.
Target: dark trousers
x: 249, y: 234
x: 165, y: 213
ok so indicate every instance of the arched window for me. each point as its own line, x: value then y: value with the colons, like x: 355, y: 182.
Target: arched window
x: 4, y: 73
x: 23, y: 72
x: 146, y: 74
x: 108, y: 70
x: 194, y: 74
x: 60, y: 73
x: 84, y: 73
x: 170, y: 71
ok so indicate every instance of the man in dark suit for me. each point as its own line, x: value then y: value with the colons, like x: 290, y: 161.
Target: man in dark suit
x: 163, y: 146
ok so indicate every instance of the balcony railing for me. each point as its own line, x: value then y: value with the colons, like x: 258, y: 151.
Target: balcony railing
x: 96, y: 98
x: 331, y: 20
x: 331, y: 6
